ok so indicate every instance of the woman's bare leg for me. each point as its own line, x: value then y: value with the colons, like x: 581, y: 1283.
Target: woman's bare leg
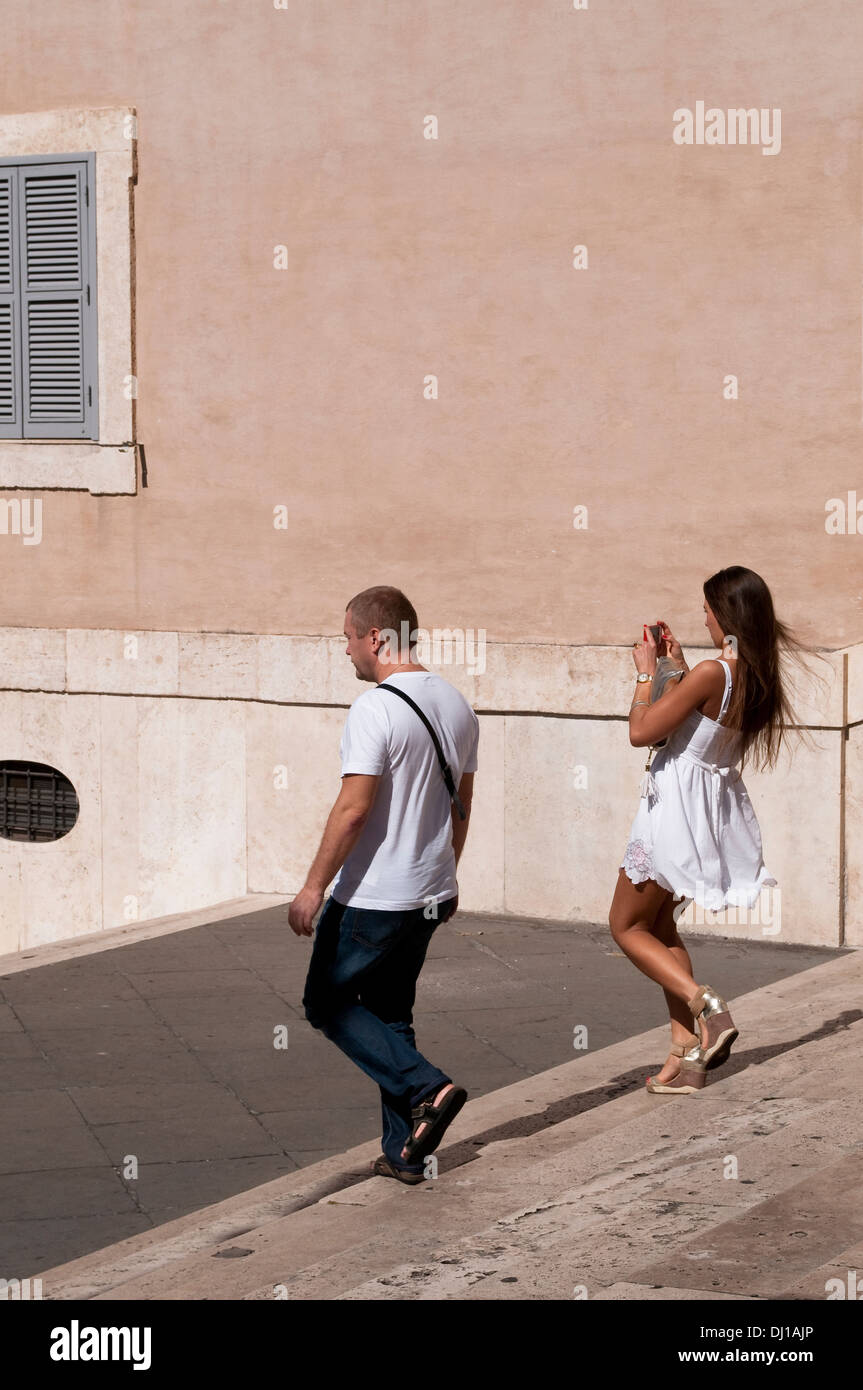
x: 682, y: 1023
x: 642, y: 924
x: 635, y: 908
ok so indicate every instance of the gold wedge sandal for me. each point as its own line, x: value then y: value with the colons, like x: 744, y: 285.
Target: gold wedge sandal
x: 719, y: 1030
x: 691, y: 1075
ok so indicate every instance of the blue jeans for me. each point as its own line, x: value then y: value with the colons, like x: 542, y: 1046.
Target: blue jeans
x: 360, y: 993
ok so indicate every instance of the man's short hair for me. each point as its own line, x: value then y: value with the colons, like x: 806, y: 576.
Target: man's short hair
x: 384, y: 607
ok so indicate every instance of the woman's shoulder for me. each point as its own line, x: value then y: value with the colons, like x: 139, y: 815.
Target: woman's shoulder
x: 711, y: 671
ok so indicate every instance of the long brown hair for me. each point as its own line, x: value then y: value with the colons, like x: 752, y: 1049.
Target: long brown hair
x: 759, y: 709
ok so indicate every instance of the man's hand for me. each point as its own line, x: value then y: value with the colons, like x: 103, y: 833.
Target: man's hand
x: 341, y: 832
x: 454, y: 909
x: 304, y: 909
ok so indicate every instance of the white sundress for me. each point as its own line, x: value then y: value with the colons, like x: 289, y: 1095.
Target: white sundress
x: 695, y: 831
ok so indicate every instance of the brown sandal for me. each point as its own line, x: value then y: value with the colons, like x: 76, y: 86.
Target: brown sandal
x: 691, y: 1075
x: 719, y: 1029
x: 436, y: 1119
x: 383, y: 1168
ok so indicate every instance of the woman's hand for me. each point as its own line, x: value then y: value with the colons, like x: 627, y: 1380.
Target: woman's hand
x: 644, y: 654
x: 673, y: 647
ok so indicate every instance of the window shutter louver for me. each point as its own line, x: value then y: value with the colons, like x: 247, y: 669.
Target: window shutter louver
x: 10, y: 322
x: 51, y: 314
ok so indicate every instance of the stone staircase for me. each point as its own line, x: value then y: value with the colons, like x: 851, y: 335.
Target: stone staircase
x: 575, y: 1183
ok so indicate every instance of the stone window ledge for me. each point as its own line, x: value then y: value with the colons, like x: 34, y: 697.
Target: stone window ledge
x: 79, y: 465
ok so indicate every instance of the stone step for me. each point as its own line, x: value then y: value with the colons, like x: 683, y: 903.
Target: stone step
x: 846, y: 1268
x: 595, y: 1218
x: 526, y: 1136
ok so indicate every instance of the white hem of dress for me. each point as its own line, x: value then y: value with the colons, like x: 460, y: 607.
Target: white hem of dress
x: 714, y: 901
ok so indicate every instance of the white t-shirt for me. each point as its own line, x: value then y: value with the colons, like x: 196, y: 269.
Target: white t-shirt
x: 404, y: 854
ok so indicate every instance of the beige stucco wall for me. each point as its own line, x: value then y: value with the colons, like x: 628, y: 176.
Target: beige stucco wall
x: 303, y: 127
x: 205, y: 766
x: 302, y: 388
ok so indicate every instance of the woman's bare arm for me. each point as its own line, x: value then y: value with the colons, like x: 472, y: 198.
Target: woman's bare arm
x: 649, y: 723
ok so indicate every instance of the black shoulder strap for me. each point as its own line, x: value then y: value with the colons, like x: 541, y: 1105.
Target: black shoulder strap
x: 444, y: 765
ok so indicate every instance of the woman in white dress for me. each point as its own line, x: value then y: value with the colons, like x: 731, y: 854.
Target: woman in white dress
x: 695, y: 835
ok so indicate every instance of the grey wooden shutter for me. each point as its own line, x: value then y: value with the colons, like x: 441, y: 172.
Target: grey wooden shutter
x: 10, y: 309
x: 52, y: 317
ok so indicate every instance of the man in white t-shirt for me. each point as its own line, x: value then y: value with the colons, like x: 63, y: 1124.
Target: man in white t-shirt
x: 395, y: 837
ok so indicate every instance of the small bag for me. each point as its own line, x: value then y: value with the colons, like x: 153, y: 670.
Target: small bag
x: 666, y: 671
x: 444, y: 765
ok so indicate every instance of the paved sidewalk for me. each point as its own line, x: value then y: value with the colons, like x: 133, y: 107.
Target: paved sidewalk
x: 142, y: 1082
